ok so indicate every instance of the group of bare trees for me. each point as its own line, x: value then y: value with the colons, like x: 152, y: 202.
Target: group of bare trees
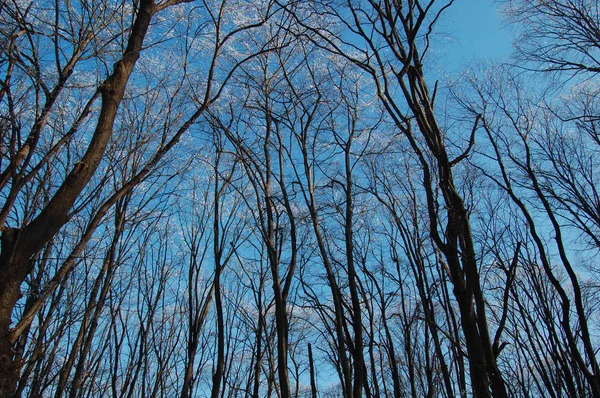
x: 241, y: 198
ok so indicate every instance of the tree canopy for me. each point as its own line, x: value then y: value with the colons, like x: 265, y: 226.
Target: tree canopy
x: 278, y: 199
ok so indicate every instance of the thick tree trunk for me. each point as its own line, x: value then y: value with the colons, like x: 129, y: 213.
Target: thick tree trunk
x: 359, y: 360
x: 457, y: 245
x: 12, y: 272
x: 19, y: 245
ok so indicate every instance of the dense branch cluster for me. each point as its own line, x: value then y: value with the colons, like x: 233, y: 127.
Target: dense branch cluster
x: 244, y: 198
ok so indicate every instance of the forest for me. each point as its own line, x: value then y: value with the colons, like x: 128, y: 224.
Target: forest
x: 285, y: 198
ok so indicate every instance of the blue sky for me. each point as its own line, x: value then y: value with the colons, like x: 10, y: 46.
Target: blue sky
x: 471, y: 31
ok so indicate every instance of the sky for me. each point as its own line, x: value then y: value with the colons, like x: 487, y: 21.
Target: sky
x: 471, y: 31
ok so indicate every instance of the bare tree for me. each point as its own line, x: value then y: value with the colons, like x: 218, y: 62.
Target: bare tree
x: 241, y: 198
x: 31, y: 72
x: 389, y: 41
x: 546, y: 174
x: 557, y: 35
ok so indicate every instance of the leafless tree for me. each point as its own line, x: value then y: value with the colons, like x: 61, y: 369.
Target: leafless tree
x: 39, y: 128
x: 389, y: 41
x: 557, y: 35
x: 240, y: 198
x: 546, y: 172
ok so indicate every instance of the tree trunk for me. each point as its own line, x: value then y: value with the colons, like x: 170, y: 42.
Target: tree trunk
x: 19, y: 245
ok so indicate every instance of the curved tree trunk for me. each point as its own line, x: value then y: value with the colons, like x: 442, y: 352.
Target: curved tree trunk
x: 19, y: 245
